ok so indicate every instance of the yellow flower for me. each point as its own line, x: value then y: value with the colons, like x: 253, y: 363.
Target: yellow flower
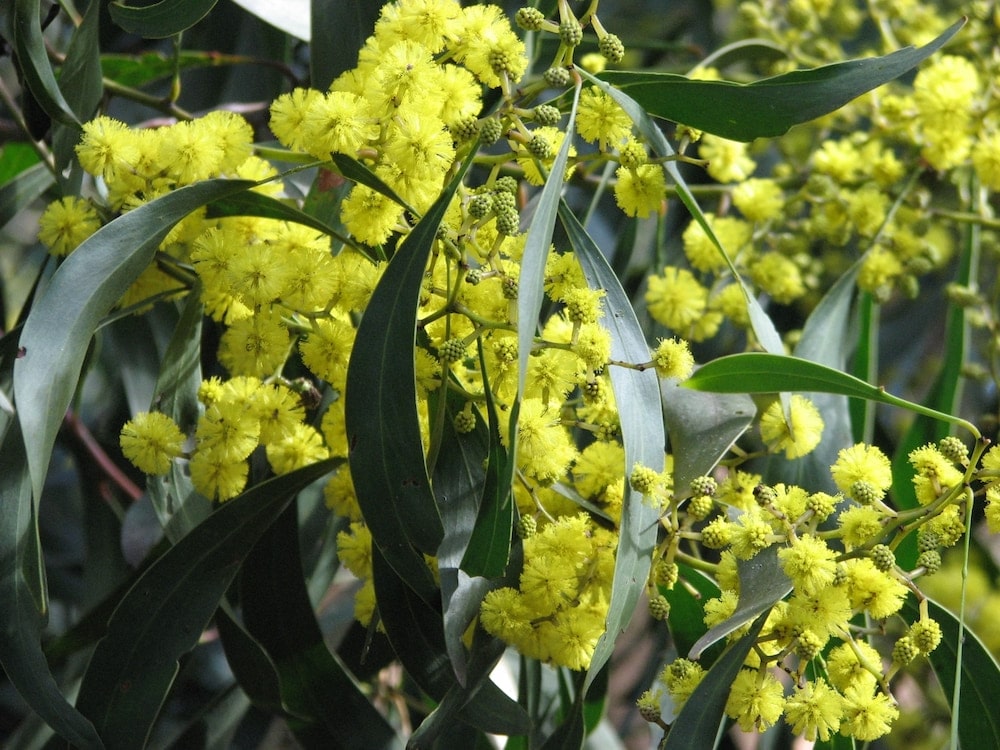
x: 676, y: 299
x: 288, y: 117
x: 796, y: 436
x: 302, y: 447
x: 673, y: 359
x: 65, y: 223
x: 703, y: 255
x: 861, y: 463
x: 986, y: 160
x: 814, y: 710
x: 876, y: 592
x: 759, y: 199
x: 107, y: 147
x: 217, y: 478
x: 779, y: 277
x: 755, y: 700
x: 256, y: 345
x: 809, y: 562
x: 867, y: 717
x: 681, y: 677
x: 599, y: 119
x: 354, y: 549
x: 327, y: 350
x: 640, y: 191
x: 151, y: 441
x: 727, y: 160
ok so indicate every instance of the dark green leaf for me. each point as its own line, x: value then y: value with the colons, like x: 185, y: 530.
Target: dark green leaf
x: 327, y: 707
x: 164, y: 613
x: 22, y: 190
x: 22, y: 601
x: 414, y: 628
x: 387, y: 457
x: 249, y: 662
x: 698, y: 722
x: 162, y: 19
x: 80, y: 79
x: 252, y: 203
x: 762, y: 326
x: 357, y: 172
x: 687, y: 612
x: 82, y: 291
x: 29, y: 44
x: 762, y: 584
x: 767, y: 108
x: 339, y: 30
x: 755, y: 372
x: 978, y: 720
x: 489, y: 547
x: 702, y: 428
x: 637, y: 395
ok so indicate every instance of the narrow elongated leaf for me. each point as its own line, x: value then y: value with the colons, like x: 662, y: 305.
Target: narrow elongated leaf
x: 768, y: 108
x: 383, y: 429
x: 687, y: 613
x: 762, y: 584
x: 22, y: 190
x: 80, y: 79
x: 637, y: 396
x: 702, y: 428
x: 22, y: 601
x: 698, y: 722
x: 762, y: 326
x: 162, y: 19
x: 86, y: 286
x: 251, y: 203
x: 978, y: 720
x: 29, y: 44
x: 164, y: 613
x: 357, y: 172
x: 328, y: 708
x: 755, y: 372
x: 339, y: 29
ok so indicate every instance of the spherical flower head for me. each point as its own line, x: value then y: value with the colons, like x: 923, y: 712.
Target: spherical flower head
x: 601, y: 120
x: 759, y: 199
x: 925, y: 634
x: 814, y: 710
x: 649, y: 704
x: 867, y: 717
x: 288, y: 115
x: 65, y: 223
x: 428, y: 22
x: 354, y: 549
x: 796, y: 436
x: 544, y: 450
x: 673, y: 359
x: 779, y: 277
x: 728, y: 160
x: 702, y: 253
x: 640, y: 191
x: 575, y: 635
x: 944, y: 90
x: 527, y: 156
x: 338, y: 123
x: 151, y: 441
x: 488, y: 46
x: 935, y: 474
x: 846, y: 669
x: 809, y: 563
x: 718, y: 533
x: 107, y: 147
x: 593, y: 346
x: 217, y: 478
x: 256, y: 345
x: 755, y: 700
x: 862, y: 462
x: 986, y: 160
x: 583, y: 305
x: 876, y: 592
x: 302, y: 447
x: 369, y: 215
x: 681, y: 677
x: 675, y: 298
x: 750, y: 534
x: 645, y: 480
x: 993, y: 508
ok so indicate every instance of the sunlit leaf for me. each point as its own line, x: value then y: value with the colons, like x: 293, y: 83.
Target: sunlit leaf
x: 163, y: 615
x: 767, y: 108
x: 762, y: 584
x: 687, y: 612
x: 162, y: 19
x: 86, y: 286
x: 637, y: 396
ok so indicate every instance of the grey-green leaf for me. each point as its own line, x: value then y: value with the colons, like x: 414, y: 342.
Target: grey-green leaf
x: 768, y: 108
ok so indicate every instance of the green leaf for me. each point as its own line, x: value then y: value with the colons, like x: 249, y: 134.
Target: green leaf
x: 163, y: 615
x: 80, y: 79
x: 22, y: 190
x: 356, y: 171
x: 489, y: 547
x: 328, y: 708
x: 86, y: 286
x: 162, y: 19
x: 767, y: 108
x: 251, y: 666
x: 702, y: 428
x: 252, y: 203
x: 15, y: 158
x: 762, y: 584
x: 755, y: 372
x: 387, y: 456
x: 698, y: 722
x: 762, y: 326
x: 978, y: 720
x: 22, y: 601
x: 147, y: 67
x: 637, y: 395
x: 29, y: 44
x: 687, y: 612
